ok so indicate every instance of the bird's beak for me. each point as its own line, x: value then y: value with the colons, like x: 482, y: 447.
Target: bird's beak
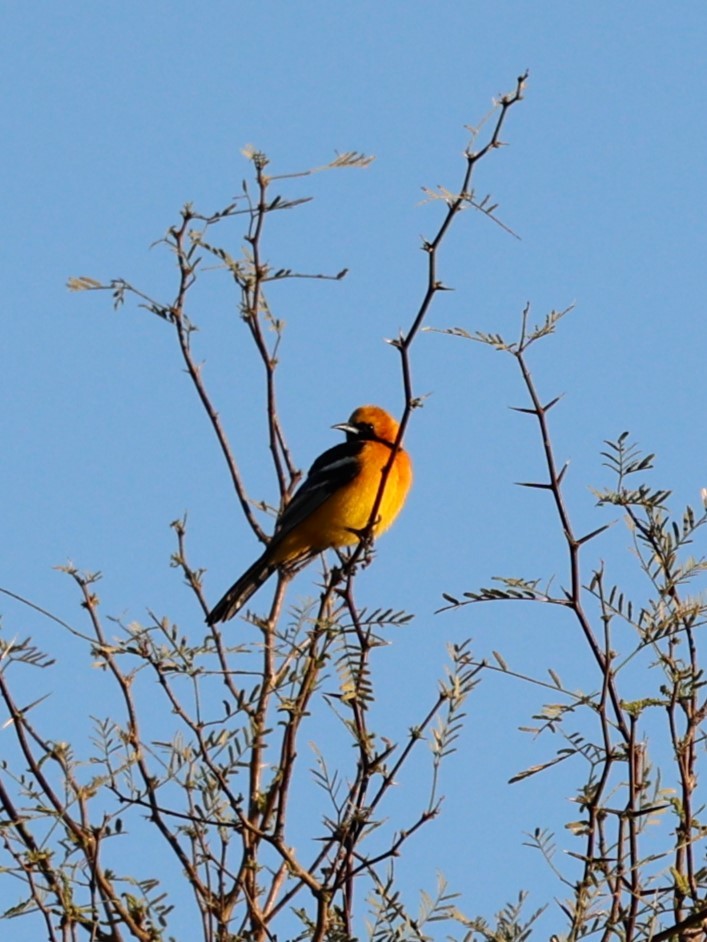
x: 346, y: 427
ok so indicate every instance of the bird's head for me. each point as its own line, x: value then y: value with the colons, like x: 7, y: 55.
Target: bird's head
x: 370, y: 423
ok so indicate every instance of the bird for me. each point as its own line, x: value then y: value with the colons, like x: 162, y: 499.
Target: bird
x: 333, y: 506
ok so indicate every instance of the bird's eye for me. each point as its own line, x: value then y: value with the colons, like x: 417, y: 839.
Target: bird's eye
x: 366, y: 430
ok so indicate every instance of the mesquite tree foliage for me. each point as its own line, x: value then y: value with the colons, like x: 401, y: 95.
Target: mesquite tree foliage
x: 208, y: 752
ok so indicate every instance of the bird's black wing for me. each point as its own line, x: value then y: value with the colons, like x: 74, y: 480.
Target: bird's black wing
x: 332, y: 470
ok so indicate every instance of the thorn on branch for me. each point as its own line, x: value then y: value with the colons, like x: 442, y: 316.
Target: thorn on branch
x: 590, y: 536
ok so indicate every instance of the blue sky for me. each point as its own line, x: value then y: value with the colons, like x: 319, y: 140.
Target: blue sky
x: 115, y: 114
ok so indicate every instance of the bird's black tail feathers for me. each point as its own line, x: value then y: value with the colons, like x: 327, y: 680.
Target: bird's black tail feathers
x: 239, y: 593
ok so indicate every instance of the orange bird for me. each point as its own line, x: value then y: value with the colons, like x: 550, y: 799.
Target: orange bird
x: 334, y: 504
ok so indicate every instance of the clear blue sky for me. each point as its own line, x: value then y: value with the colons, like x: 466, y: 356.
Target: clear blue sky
x: 115, y: 114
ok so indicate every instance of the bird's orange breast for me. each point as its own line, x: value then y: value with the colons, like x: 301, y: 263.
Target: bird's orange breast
x: 346, y: 513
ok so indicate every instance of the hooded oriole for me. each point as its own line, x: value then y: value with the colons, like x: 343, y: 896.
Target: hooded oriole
x: 333, y: 506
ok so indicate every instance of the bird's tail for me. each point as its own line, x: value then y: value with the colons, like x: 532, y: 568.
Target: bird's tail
x: 241, y: 590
